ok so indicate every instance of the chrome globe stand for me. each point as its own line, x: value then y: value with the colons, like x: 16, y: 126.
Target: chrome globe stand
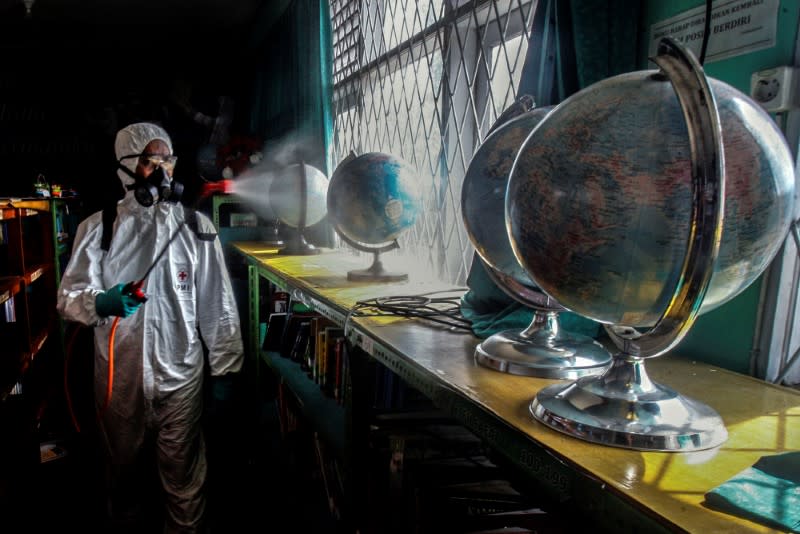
x: 376, y: 271
x: 296, y: 244
x: 542, y: 349
x: 623, y: 407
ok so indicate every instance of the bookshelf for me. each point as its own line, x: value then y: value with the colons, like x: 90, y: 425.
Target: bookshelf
x: 618, y: 490
x: 28, y: 274
x: 66, y: 214
x: 36, y: 243
x: 381, y: 411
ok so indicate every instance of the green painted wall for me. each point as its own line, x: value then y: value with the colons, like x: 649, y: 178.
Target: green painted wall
x: 724, y: 337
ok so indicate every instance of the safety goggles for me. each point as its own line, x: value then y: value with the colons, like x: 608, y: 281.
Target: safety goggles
x: 154, y: 160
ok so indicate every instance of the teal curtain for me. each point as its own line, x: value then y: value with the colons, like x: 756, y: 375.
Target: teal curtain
x: 292, y: 97
x: 577, y: 43
x: 549, y: 72
x: 605, y: 34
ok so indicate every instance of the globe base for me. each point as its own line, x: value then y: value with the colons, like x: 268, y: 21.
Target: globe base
x: 623, y: 408
x: 271, y: 236
x: 298, y: 246
x: 375, y: 273
x: 365, y: 275
x: 543, y: 354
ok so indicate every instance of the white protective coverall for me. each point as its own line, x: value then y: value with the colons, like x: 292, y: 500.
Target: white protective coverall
x: 158, y: 355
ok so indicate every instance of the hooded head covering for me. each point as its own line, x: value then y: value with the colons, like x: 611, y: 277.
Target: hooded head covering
x: 132, y: 140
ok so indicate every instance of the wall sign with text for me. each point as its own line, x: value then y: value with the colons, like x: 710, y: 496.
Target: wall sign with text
x: 737, y: 27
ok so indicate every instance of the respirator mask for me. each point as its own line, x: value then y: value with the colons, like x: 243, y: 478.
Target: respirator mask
x: 158, y: 186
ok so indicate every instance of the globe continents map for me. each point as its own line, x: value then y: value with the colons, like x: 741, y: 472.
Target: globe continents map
x: 373, y: 198
x: 609, y: 171
x: 484, y: 189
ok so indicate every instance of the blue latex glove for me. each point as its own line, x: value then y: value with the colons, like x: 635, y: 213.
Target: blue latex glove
x: 116, y: 302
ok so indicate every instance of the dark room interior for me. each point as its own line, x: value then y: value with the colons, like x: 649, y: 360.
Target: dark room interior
x: 534, y: 267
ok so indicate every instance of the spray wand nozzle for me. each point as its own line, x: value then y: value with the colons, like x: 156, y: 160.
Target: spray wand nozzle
x: 222, y: 186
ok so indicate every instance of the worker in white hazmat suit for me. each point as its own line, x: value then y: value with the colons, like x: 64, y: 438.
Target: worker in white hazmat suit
x: 158, y: 355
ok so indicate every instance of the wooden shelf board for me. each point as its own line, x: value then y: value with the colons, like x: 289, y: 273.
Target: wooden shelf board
x: 37, y: 204
x: 9, y: 286
x: 37, y: 342
x: 36, y: 272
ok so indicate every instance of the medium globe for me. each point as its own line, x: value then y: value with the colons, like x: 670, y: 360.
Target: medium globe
x: 290, y: 186
x: 373, y: 198
x: 598, y: 206
x: 483, y: 192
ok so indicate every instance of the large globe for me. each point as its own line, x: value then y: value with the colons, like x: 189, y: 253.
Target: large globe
x: 373, y: 198
x: 599, y: 201
x: 287, y: 190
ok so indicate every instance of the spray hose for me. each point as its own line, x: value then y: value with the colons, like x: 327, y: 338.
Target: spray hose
x: 133, y: 289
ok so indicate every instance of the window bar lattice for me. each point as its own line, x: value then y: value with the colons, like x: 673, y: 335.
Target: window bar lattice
x: 429, y: 79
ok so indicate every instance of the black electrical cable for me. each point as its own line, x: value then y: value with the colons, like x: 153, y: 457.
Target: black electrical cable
x: 440, y: 310
x: 706, y: 31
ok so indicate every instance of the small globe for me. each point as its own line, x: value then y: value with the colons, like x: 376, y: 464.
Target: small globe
x: 483, y: 192
x: 286, y: 192
x: 373, y: 198
x: 599, y: 201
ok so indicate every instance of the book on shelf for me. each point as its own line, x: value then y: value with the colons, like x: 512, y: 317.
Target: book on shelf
x: 387, y: 387
x: 298, y: 353
x: 339, y: 364
x: 318, y: 326
x: 287, y: 418
x: 327, y: 369
x: 347, y: 384
x: 320, y: 348
x: 311, y: 346
x: 278, y: 302
x: 291, y: 328
x: 275, y: 325
x: 10, y: 310
x: 331, y: 476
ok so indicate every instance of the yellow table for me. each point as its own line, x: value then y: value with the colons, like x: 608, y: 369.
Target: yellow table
x: 623, y: 489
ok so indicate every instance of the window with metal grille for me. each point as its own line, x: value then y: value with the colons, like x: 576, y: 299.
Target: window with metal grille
x: 424, y: 80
